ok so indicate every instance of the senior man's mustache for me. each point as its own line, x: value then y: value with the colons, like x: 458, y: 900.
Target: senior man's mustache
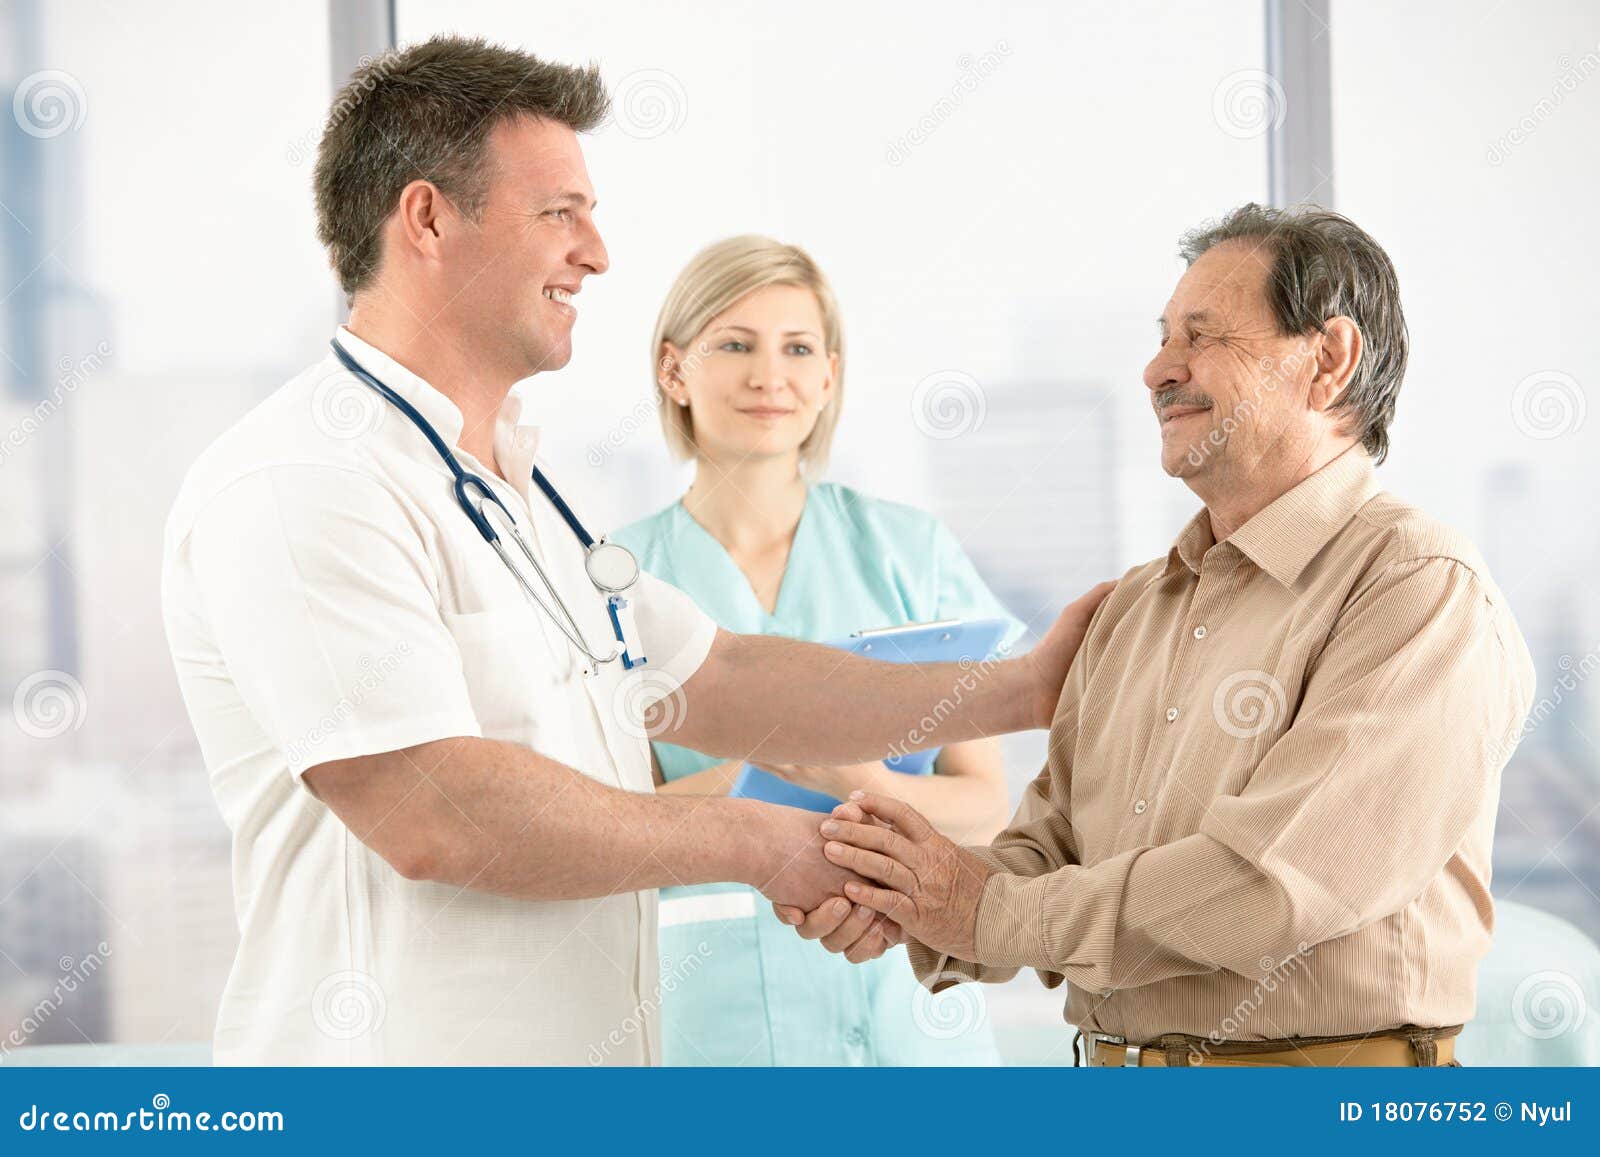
x: 1174, y: 397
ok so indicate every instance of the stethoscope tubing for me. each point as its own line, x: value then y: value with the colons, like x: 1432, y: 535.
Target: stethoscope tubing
x: 465, y: 483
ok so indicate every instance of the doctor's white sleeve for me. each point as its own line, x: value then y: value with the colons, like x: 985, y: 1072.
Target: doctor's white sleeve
x: 676, y: 635
x: 322, y: 601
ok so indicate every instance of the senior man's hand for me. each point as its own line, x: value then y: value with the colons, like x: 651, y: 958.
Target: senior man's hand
x: 931, y: 886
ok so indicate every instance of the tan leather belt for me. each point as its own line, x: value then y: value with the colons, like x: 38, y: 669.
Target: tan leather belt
x: 1405, y: 1047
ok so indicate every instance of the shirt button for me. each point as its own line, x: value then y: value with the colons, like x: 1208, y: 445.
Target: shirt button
x: 1138, y: 808
x: 1200, y: 632
x: 1172, y: 713
x: 856, y: 1037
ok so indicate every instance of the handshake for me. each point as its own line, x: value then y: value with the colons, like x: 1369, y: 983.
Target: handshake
x: 873, y: 874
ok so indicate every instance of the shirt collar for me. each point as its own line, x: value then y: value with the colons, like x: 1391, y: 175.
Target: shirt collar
x: 1192, y: 543
x: 1289, y: 532
x: 514, y: 439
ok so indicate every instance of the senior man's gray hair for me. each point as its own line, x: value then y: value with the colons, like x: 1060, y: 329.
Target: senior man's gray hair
x: 1325, y: 266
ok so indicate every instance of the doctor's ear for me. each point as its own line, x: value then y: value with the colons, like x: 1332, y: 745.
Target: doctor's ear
x: 421, y: 214
x: 1336, y: 362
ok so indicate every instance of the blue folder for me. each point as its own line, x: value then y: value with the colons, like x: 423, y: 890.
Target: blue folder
x: 949, y: 641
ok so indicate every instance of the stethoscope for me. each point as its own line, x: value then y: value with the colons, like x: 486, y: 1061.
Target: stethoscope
x: 611, y: 566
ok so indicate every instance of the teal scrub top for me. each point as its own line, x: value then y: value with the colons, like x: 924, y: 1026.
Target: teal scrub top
x: 738, y: 986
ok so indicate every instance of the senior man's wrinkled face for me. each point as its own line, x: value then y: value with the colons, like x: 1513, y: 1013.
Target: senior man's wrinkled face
x: 1228, y: 389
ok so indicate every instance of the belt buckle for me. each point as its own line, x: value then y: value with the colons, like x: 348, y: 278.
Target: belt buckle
x: 1130, y: 1056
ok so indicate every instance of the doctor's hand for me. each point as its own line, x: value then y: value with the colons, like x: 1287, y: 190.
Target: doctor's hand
x: 931, y: 886
x: 789, y: 868
x: 1052, y: 656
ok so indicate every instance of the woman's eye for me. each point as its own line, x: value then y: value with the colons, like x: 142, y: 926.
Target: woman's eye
x: 734, y: 347
x: 799, y: 349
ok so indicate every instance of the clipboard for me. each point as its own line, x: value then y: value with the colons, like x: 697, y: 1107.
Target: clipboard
x: 945, y: 641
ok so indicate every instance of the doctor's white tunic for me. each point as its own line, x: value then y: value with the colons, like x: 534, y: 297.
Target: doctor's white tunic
x: 325, y: 597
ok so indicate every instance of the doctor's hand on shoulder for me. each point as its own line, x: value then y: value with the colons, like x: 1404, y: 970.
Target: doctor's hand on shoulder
x: 1051, y: 658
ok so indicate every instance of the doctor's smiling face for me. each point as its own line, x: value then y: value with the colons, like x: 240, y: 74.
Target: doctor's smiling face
x: 493, y: 271
x: 757, y: 377
x: 511, y: 279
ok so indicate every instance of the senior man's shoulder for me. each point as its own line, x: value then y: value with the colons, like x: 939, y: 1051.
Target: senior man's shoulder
x: 1388, y: 531
x: 1389, y: 537
x: 1135, y: 581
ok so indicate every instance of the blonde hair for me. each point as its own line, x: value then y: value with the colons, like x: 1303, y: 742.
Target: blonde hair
x: 718, y: 276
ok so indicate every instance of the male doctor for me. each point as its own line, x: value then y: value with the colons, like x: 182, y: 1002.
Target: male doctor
x: 445, y: 836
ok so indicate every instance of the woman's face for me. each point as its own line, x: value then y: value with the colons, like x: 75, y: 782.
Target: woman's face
x: 756, y: 378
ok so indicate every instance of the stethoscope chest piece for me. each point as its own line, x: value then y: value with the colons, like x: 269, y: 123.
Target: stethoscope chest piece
x: 612, y: 567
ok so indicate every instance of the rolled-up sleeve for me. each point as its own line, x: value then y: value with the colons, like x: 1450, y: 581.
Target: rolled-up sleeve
x: 1394, y: 752
x: 323, y: 605
x: 676, y: 634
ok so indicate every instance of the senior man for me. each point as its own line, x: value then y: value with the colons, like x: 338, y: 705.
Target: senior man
x: 1263, y: 832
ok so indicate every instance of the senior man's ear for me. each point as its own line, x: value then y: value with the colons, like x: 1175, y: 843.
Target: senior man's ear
x: 1337, y: 359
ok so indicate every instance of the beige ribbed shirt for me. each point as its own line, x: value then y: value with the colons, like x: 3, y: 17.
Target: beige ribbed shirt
x: 1272, y: 782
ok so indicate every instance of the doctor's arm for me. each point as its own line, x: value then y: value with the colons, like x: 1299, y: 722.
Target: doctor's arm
x: 323, y: 611
x: 784, y: 701
x: 499, y: 817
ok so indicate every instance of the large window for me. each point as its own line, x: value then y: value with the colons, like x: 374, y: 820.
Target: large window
x: 1464, y: 140
x: 161, y: 275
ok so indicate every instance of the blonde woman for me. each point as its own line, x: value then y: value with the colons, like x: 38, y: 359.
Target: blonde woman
x: 748, y: 356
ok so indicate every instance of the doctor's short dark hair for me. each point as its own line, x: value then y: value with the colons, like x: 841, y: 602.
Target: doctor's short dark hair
x: 1326, y: 266
x: 426, y: 112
